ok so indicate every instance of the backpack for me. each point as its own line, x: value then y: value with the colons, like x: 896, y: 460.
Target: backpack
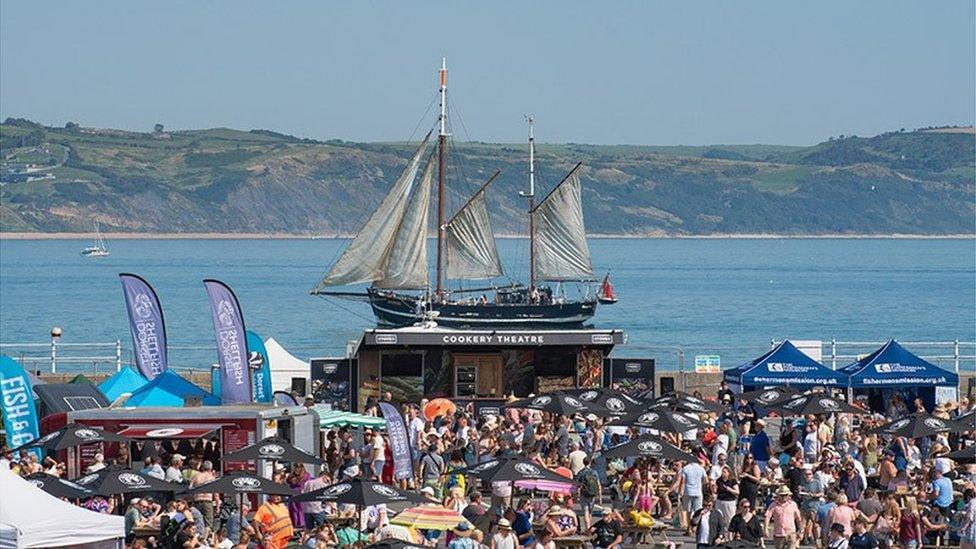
x: 590, y: 485
x: 168, y: 530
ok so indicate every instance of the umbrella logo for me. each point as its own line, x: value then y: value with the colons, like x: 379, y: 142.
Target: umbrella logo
x: 828, y: 404
x: 485, y: 466
x: 897, y: 425
x: 271, y: 450
x: 589, y: 396
x: 132, y: 479
x: 541, y: 401
x: 796, y: 403
x: 246, y: 483
x: 768, y: 396
x: 528, y: 469
x: 934, y: 423
x: 678, y: 418
x: 649, y: 417
x: 649, y: 447
x: 385, y: 490
x: 36, y: 482
x: 572, y: 402
x: 337, y: 489
x: 87, y: 479
x: 615, y: 405
x: 87, y: 434
x: 168, y: 432
x: 48, y: 437
x: 693, y: 405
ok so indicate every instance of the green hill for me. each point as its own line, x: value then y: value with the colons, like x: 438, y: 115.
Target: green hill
x: 224, y: 180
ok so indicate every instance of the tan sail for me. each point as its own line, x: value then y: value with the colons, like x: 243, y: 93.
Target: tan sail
x: 561, y: 251
x: 406, y: 266
x: 471, y: 250
x: 365, y: 258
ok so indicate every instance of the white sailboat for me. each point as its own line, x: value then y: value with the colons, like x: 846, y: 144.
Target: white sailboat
x: 98, y: 249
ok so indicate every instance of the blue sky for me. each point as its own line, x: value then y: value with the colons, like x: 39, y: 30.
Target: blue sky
x: 592, y: 72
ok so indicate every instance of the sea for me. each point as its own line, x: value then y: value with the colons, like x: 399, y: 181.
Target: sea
x: 679, y: 298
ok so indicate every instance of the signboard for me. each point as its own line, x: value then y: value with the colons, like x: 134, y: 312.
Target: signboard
x: 508, y: 338
x: 708, y: 364
x: 331, y: 381
x: 631, y: 376
x: 234, y: 440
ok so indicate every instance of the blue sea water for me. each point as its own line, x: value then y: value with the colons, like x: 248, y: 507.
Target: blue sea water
x: 724, y: 296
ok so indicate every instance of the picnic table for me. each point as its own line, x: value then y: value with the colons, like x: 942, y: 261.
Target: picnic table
x: 578, y: 540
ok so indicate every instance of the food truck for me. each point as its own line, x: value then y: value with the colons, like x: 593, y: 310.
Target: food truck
x: 232, y: 426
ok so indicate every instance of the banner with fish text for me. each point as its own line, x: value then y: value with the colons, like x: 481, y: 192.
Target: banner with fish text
x: 260, y: 367
x: 396, y: 429
x: 146, y: 324
x: 17, y: 403
x: 232, y: 354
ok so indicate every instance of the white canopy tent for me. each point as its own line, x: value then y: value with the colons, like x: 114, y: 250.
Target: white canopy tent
x: 30, y: 517
x: 284, y: 366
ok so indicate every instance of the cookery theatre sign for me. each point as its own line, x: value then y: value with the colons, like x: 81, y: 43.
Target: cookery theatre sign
x: 494, y: 338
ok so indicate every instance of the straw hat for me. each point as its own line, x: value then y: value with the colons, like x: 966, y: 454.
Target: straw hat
x: 784, y: 491
x: 504, y: 524
x: 463, y: 529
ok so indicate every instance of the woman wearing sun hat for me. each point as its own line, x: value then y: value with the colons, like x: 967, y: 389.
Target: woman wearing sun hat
x: 504, y: 538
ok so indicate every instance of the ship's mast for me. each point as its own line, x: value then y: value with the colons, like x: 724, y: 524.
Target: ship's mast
x: 441, y: 145
x: 531, y: 196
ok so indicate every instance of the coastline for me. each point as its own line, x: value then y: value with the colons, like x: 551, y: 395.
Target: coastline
x: 344, y: 236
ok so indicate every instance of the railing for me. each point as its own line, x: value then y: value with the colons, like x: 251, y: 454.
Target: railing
x: 32, y: 356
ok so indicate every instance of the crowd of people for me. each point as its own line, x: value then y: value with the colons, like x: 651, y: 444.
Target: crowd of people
x: 818, y: 481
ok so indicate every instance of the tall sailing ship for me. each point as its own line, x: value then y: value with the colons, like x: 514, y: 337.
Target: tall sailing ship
x: 390, y: 251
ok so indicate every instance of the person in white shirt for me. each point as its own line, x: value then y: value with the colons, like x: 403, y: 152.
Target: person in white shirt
x: 576, y: 457
x: 97, y: 466
x: 174, y: 472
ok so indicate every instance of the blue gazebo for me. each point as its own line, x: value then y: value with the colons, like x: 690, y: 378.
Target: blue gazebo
x: 893, y: 368
x: 126, y: 380
x: 783, y: 365
x: 169, y: 389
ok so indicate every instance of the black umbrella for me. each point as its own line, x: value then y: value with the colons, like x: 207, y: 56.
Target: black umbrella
x: 361, y: 493
x: 615, y: 402
x: 72, y: 435
x: 964, y: 455
x: 815, y: 404
x: 688, y: 403
x: 769, y: 397
x: 242, y: 482
x: 966, y: 422
x: 660, y: 419
x: 275, y: 449
x: 512, y: 469
x: 916, y: 425
x: 648, y: 446
x: 58, y: 487
x: 111, y: 481
x: 557, y: 403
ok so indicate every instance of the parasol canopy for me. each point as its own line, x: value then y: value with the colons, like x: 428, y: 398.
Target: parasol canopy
x: 512, y: 469
x: 688, y: 403
x: 438, y: 407
x: 616, y: 402
x: 916, y: 425
x: 648, y: 446
x: 361, y: 493
x: 557, y: 403
x: 242, y: 482
x: 661, y: 420
x: 815, y: 404
x: 58, y: 487
x: 110, y: 481
x: 770, y: 397
x: 273, y: 448
x: 429, y: 517
x: 72, y: 435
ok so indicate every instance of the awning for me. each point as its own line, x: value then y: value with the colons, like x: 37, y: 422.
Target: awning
x: 335, y: 418
x: 169, y: 431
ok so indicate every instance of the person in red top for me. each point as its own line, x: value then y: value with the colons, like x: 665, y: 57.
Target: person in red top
x: 910, y: 526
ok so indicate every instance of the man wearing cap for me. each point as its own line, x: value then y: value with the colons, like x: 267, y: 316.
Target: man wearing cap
x: 786, y: 519
x: 173, y: 472
x: 760, y: 446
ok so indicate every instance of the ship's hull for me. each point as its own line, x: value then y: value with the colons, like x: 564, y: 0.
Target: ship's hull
x: 401, y: 310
